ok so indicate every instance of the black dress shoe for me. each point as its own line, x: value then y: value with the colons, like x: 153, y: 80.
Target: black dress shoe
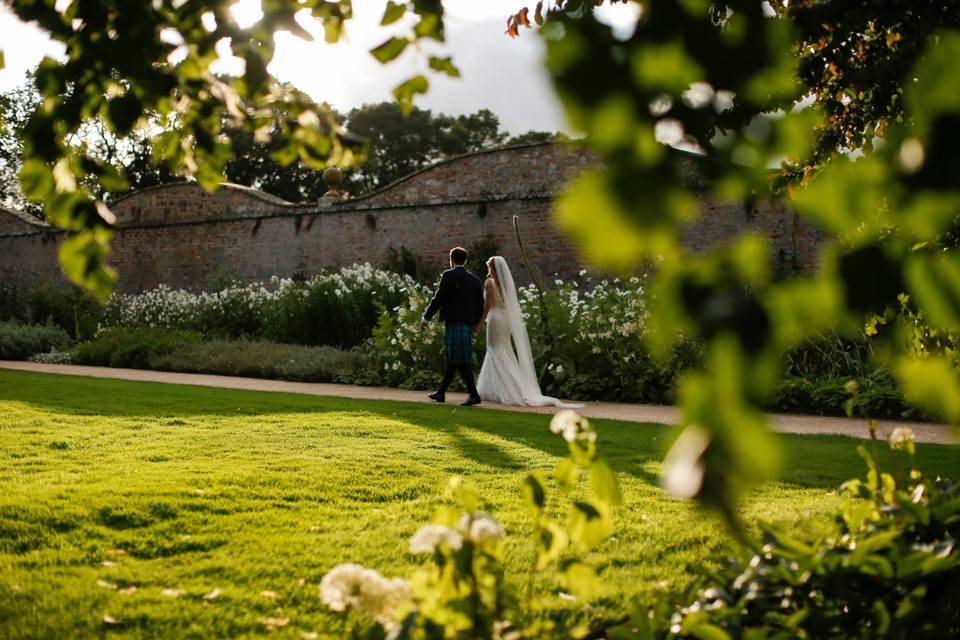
x: 436, y: 396
x: 469, y: 402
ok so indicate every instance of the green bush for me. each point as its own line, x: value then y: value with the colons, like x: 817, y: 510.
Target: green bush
x: 887, y: 565
x: 131, y: 347
x: 20, y: 341
x: 73, y: 310
x: 76, y: 311
x: 263, y: 360
x: 339, y: 308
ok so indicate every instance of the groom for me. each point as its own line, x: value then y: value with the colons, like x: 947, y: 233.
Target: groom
x: 459, y: 299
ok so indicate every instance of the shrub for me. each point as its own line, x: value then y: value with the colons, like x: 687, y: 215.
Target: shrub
x: 887, y: 565
x: 337, y: 309
x: 72, y: 309
x: 52, y: 357
x: 263, y: 360
x: 595, y: 348
x: 75, y: 311
x: 131, y: 347
x: 20, y: 341
x: 829, y: 398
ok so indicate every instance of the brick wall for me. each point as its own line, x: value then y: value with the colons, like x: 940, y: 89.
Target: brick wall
x: 184, y: 237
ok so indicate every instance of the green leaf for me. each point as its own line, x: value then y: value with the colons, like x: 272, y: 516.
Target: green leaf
x: 430, y: 26
x: 849, y: 199
x: 36, y: 179
x: 551, y: 541
x: 390, y: 49
x: 444, y: 65
x: 463, y: 493
x: 123, y: 112
x: 706, y: 631
x: 404, y: 93
x: 604, y: 237
x: 664, y: 67
x: 932, y: 384
x: 393, y: 12
x: 83, y: 261
x: 582, y: 580
x: 935, y: 282
x: 565, y: 474
x: 590, y: 524
x: 604, y: 484
x: 535, y: 491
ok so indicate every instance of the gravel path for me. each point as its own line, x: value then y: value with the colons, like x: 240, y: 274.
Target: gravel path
x: 925, y: 432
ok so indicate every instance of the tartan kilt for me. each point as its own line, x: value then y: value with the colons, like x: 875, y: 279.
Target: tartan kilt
x: 459, y: 342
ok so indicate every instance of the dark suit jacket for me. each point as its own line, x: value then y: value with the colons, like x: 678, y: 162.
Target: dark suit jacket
x: 459, y: 298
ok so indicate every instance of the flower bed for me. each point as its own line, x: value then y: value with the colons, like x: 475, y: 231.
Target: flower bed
x: 589, y: 340
x: 338, y: 308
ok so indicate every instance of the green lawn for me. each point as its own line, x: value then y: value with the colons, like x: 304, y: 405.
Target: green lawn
x: 180, y: 491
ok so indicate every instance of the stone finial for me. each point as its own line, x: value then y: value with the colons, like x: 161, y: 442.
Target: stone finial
x: 333, y: 178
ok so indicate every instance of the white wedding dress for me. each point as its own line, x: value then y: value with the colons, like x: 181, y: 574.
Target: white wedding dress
x: 508, y: 376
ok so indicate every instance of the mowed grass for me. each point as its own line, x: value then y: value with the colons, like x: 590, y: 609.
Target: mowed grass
x: 182, y: 492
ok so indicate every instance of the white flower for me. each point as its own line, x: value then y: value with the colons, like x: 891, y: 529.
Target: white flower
x: 683, y: 467
x: 902, y: 438
x: 430, y: 537
x: 480, y: 527
x: 572, y: 426
x: 559, y: 368
x: 355, y: 586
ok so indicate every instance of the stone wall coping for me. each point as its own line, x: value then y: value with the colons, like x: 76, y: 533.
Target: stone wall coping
x: 230, y: 186
x: 446, y: 161
x: 285, y: 209
x: 38, y: 226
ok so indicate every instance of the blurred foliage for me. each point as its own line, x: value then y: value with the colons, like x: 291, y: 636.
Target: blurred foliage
x: 716, y: 79
x: 464, y: 590
x: 724, y: 79
x: 886, y: 565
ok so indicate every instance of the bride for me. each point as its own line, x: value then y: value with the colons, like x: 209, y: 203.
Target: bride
x: 506, y: 376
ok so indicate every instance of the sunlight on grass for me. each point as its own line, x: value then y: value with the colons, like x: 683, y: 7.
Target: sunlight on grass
x: 166, y: 511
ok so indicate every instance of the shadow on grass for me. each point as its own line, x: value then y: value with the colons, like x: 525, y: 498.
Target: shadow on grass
x: 810, y: 461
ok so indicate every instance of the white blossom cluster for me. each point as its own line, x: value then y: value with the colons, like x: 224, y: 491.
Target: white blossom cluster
x: 433, y: 537
x: 606, y: 317
x: 902, y: 438
x: 479, y: 527
x: 353, y: 586
x: 572, y: 426
x: 165, y: 307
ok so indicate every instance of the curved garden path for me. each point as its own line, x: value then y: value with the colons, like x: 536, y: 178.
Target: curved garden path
x: 658, y: 414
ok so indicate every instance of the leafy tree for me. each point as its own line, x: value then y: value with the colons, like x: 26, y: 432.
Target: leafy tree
x: 15, y: 107
x: 537, y: 137
x: 854, y: 61
x: 400, y: 144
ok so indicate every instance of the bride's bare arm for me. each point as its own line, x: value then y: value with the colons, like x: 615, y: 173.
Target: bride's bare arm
x: 488, y: 287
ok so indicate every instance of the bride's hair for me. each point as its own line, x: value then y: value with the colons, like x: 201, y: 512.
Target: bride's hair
x: 492, y: 273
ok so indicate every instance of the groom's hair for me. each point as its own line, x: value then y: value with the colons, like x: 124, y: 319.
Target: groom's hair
x: 458, y: 255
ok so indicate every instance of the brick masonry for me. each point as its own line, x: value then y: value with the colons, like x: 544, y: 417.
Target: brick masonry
x: 182, y: 236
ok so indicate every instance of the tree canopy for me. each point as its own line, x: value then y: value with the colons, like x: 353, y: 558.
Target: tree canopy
x: 394, y: 145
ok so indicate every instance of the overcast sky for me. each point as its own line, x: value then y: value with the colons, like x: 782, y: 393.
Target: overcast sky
x: 500, y: 74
